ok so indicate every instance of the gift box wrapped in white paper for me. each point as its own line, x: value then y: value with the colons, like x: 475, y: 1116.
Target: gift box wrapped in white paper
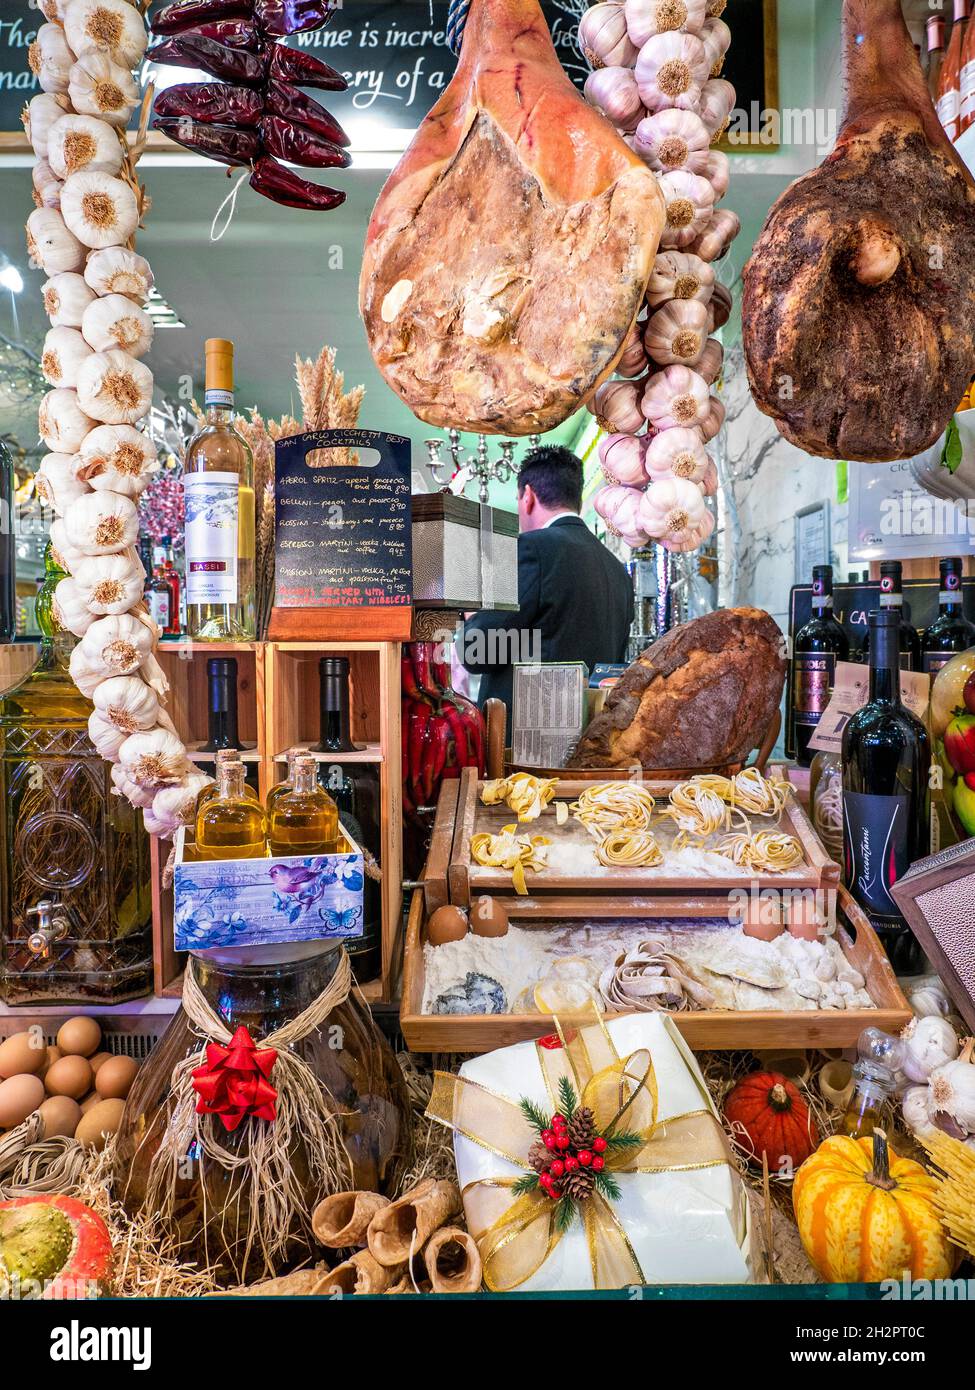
x: 674, y: 1209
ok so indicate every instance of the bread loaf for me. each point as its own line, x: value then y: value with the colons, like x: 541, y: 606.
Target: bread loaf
x: 701, y: 696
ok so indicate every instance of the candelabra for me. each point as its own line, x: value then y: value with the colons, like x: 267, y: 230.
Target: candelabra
x: 466, y: 467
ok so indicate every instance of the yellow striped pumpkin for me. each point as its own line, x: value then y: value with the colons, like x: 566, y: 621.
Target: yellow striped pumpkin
x: 864, y: 1214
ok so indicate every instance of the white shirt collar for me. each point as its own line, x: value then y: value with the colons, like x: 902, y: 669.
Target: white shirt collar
x: 558, y: 517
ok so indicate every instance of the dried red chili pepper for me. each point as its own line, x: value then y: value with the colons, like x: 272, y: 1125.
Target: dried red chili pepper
x: 287, y: 101
x: 214, y: 102
x: 187, y: 14
x: 283, y: 17
x: 279, y: 184
x: 235, y: 33
x: 292, y: 65
x: 225, y: 143
x: 193, y: 50
x: 298, y: 145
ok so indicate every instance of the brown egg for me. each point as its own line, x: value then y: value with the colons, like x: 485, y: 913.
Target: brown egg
x: 70, y: 1076
x: 805, y: 921
x: 79, y: 1036
x: 22, y: 1054
x: 100, y: 1122
x: 763, y: 919
x: 489, y: 918
x: 446, y: 924
x: 98, y: 1060
x: 62, y: 1115
x: 114, y: 1078
x: 53, y: 1054
x: 91, y: 1099
x: 20, y: 1096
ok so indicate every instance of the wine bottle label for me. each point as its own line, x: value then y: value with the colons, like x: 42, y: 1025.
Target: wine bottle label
x: 949, y: 109
x: 214, y: 396
x: 875, y: 848
x: 212, y: 516
x: 967, y: 92
x: 950, y: 598
x: 159, y: 608
x: 891, y: 600
x: 812, y: 683
x: 821, y: 601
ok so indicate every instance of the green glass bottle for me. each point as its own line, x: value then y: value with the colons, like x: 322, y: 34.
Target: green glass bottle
x: 75, y: 891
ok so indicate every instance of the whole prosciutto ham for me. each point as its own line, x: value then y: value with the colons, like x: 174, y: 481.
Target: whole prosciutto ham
x: 508, y: 254
x: 858, y: 314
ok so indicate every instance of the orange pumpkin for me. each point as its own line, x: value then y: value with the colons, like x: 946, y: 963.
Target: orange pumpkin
x: 864, y: 1214
x: 773, y: 1117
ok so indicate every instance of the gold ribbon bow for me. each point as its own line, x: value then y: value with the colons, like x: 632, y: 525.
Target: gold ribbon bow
x: 516, y: 1233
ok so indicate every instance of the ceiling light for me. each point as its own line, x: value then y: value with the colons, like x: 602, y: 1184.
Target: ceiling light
x: 11, y: 279
x: 162, y: 313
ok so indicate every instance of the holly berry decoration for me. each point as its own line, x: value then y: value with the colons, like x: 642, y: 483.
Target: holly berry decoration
x: 569, y: 1156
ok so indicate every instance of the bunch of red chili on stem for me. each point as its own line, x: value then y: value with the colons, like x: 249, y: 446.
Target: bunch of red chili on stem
x: 442, y: 731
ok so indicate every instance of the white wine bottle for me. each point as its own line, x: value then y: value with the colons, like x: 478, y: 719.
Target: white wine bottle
x: 218, y: 482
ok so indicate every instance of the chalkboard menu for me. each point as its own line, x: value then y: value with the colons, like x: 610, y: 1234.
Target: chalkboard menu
x: 342, y: 536
x: 395, y: 58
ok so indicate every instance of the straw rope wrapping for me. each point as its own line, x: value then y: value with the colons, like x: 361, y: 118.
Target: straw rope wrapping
x: 305, y: 1116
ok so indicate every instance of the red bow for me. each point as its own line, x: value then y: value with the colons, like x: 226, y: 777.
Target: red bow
x: 234, y: 1083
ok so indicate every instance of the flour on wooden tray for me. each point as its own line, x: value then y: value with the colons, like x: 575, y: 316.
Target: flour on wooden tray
x: 742, y: 972
x: 567, y: 858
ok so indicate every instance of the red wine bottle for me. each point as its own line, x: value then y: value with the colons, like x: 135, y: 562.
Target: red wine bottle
x: 818, y: 647
x: 892, y: 596
x: 886, y: 764
x: 222, y: 730
x: 951, y: 631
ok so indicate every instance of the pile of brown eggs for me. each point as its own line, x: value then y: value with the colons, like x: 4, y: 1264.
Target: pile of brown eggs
x: 78, y: 1089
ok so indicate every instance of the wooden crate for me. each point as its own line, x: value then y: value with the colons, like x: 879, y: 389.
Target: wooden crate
x: 701, y: 1029
x: 16, y: 659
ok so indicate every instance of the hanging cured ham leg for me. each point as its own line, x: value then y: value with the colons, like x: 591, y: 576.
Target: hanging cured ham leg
x: 508, y: 254
x: 858, y: 312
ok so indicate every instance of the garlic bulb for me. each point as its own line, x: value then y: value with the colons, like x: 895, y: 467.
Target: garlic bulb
x: 689, y: 537
x: 613, y: 91
x: 953, y: 1090
x: 676, y: 396
x: 719, y: 307
x: 66, y: 297
x: 66, y: 555
x: 70, y: 610
x: 83, y: 144
x: 916, y: 1109
x: 633, y: 359
x: 718, y: 173
x: 689, y: 200
x: 118, y: 458
x: 99, y: 209
x: 47, y: 185
x: 716, y: 37
x: 717, y: 101
x: 622, y: 459
x: 676, y: 332
x: 713, y: 420
x: 102, y: 523
x: 132, y: 791
x: 56, y: 483
x: 106, y: 26
x: 616, y: 405
x: 928, y: 1043
x: 619, y: 507
x: 670, y: 140
x: 50, y: 58
x: 644, y: 18
x: 603, y: 39
x: 115, y: 322
x: 40, y: 113
x: 128, y: 703
x: 679, y: 275
x: 928, y: 996
x: 717, y: 236
x: 117, y: 270
x: 671, y: 70
x: 64, y: 351
x: 62, y: 422
x: 99, y: 87
x: 155, y: 758
x: 114, y: 388
x: 110, y: 583
x: 117, y: 645
x: 676, y: 453
x: 53, y: 10
x: 671, y: 508
x: 709, y: 482
x: 106, y: 737
x: 85, y: 676
x: 175, y: 806
x: 50, y: 244
x: 709, y: 364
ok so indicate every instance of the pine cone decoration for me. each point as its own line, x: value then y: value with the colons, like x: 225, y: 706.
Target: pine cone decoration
x: 582, y: 1129
x: 579, y: 1184
x: 539, y: 1157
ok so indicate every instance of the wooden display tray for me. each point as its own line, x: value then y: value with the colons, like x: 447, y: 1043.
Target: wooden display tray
x: 701, y: 1029
x: 465, y: 879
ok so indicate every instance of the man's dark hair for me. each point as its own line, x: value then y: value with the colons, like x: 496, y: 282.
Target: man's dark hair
x: 554, y: 475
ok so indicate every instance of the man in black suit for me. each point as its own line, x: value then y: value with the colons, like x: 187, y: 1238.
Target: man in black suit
x: 576, y: 599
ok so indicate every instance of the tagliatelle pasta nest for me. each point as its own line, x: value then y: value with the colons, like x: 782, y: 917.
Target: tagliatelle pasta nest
x: 630, y: 848
x: 510, y: 851
x: 611, y: 806
x: 522, y: 793
x: 699, y: 806
x: 768, y: 851
x: 758, y: 795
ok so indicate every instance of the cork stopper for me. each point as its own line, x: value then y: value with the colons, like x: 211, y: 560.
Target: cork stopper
x: 220, y: 364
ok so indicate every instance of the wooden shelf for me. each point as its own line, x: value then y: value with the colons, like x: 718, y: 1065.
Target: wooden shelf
x: 370, y: 753
x: 181, y: 646
x: 203, y: 755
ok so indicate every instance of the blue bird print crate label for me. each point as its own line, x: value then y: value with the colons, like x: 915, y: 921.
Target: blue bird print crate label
x: 253, y: 902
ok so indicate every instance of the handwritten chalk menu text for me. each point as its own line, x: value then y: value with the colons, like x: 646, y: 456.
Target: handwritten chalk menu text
x: 342, y: 529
